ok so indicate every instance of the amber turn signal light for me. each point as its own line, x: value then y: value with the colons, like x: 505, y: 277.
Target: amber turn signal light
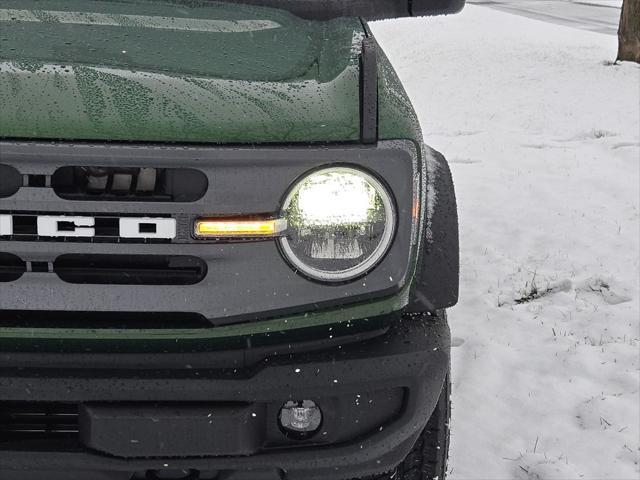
x: 238, y: 228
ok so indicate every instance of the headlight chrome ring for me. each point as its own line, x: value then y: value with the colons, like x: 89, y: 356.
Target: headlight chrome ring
x: 341, y: 222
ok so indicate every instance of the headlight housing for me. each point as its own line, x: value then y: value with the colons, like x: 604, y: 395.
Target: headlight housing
x: 341, y: 222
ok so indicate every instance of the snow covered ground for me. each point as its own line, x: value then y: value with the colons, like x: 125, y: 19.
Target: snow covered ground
x: 542, y: 133
x: 601, y: 16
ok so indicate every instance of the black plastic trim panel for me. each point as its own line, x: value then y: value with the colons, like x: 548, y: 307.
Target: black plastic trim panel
x: 413, y: 355
x: 438, y: 276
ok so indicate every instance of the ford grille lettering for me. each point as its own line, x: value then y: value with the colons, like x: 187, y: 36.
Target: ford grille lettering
x: 68, y: 226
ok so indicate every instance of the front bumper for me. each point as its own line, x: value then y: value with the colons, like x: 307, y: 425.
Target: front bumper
x: 368, y: 429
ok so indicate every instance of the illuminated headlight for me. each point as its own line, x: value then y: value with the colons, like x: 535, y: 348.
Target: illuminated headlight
x: 340, y: 221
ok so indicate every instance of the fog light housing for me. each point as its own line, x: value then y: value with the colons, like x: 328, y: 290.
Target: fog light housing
x: 301, y: 419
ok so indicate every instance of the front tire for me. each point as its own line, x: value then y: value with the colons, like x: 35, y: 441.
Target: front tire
x: 428, y: 458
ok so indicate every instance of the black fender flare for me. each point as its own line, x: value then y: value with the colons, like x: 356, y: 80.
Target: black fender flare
x: 436, y: 284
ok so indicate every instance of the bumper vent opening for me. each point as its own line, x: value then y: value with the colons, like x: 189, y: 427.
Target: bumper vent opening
x: 37, y: 421
x: 130, y: 184
x: 11, y: 267
x: 130, y: 269
x: 102, y: 320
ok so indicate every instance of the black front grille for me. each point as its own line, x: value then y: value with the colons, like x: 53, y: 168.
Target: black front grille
x: 37, y: 421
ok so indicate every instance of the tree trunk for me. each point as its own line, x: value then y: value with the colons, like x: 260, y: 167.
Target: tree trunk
x: 629, y: 32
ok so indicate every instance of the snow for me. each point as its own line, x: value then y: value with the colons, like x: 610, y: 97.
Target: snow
x: 595, y: 15
x: 600, y: 3
x: 542, y: 133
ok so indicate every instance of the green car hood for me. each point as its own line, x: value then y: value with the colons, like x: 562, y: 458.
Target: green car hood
x: 139, y: 70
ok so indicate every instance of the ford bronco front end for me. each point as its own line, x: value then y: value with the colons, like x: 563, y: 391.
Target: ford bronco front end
x: 225, y: 252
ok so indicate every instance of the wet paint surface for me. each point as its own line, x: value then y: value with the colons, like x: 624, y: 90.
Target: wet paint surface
x: 293, y: 83
x: 159, y: 72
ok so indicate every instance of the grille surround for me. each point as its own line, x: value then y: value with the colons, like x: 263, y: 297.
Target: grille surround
x: 246, y: 281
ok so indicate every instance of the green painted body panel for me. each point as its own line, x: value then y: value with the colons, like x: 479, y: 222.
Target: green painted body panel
x: 206, y: 82
x: 331, y: 322
x: 147, y: 71
x: 397, y: 118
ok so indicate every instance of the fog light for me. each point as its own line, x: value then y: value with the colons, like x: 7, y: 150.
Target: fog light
x: 300, y: 419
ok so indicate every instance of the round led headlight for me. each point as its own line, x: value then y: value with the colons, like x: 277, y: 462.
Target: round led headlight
x: 340, y: 224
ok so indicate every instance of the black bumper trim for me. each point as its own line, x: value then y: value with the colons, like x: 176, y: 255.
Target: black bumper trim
x: 413, y: 355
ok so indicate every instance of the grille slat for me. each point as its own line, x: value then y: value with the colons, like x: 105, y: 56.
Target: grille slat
x: 37, y: 421
x: 95, y: 269
x: 130, y: 269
